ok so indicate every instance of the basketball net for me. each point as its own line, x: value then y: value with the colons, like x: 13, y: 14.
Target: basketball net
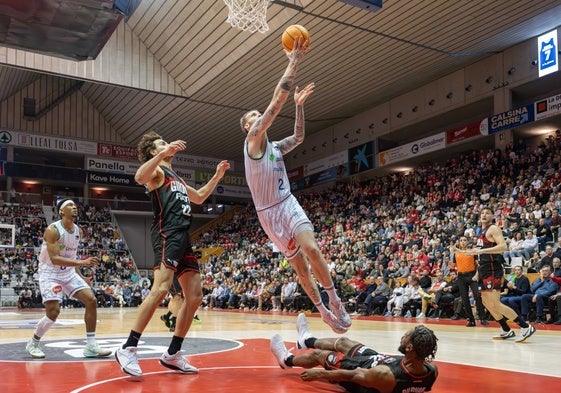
x: 248, y: 15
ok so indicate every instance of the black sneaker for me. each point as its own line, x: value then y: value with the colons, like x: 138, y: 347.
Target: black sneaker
x: 470, y: 323
x: 166, y: 320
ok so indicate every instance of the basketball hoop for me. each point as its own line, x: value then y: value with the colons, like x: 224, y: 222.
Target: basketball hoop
x: 248, y: 15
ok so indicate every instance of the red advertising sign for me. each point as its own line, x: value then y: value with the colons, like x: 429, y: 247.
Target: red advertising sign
x: 462, y: 133
x: 296, y: 173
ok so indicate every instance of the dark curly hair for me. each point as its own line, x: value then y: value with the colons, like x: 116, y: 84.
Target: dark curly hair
x: 145, y: 145
x: 424, y: 342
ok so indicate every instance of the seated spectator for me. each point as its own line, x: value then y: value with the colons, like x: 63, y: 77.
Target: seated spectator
x: 412, y: 300
x: 395, y: 302
x: 555, y: 223
x: 540, y: 291
x: 288, y: 288
x: 515, y: 286
x: 403, y: 271
x: 429, y: 296
x: 222, y: 300
x: 270, y: 294
x: 547, y: 259
x: 451, y: 296
x: 425, y: 281
x: 210, y: 300
x: 369, y: 287
x: 136, y: 297
x: 528, y: 247
x: 357, y: 282
x: 555, y: 302
x: 514, y: 246
x: 556, y: 268
x: 557, y: 249
x: 301, y: 299
x: 543, y: 233
x: 109, y: 294
x: 346, y: 291
x: 127, y: 294
x: 25, y: 298
x: 377, y: 299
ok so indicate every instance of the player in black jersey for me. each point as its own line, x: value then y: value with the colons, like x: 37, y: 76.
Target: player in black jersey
x: 360, y: 369
x: 171, y: 202
x: 491, y: 245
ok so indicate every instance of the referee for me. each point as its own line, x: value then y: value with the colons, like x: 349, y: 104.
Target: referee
x: 468, y: 278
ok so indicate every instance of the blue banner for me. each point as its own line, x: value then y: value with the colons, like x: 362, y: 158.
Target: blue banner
x: 510, y: 119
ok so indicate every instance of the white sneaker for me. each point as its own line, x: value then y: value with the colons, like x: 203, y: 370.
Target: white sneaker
x: 336, y: 325
x: 95, y: 351
x: 303, y: 331
x: 504, y: 335
x: 341, y: 314
x: 525, y: 333
x: 421, y: 316
x: 34, y: 349
x: 128, y: 360
x: 279, y: 350
x: 178, y: 363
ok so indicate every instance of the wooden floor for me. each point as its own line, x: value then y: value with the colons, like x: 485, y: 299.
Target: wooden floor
x: 231, y: 349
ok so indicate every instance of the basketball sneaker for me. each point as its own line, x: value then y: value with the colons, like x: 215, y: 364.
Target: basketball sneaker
x: 34, y: 349
x: 165, y: 318
x: 128, y: 360
x: 279, y: 350
x: 95, y: 351
x: 336, y: 325
x: 303, y: 331
x: 342, y: 315
x: 525, y: 333
x: 178, y: 363
x: 504, y: 335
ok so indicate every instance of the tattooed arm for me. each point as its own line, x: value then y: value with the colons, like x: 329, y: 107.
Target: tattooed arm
x: 290, y: 142
x: 281, y: 93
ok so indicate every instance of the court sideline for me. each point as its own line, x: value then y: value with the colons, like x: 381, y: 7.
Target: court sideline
x: 231, y: 349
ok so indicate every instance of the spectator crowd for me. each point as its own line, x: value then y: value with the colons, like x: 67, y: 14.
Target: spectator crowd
x: 387, y: 240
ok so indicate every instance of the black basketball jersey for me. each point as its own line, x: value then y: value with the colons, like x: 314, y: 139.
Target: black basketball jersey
x: 489, y: 264
x: 406, y: 382
x: 170, y: 204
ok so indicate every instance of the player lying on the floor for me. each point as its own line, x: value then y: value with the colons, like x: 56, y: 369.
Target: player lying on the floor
x: 360, y: 369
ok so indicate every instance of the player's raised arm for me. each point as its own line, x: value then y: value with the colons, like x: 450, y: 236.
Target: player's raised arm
x: 290, y: 142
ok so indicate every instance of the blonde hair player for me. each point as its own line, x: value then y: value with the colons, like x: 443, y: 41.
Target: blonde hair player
x: 279, y: 212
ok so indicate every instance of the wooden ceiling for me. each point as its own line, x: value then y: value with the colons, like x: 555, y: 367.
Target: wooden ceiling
x: 358, y: 60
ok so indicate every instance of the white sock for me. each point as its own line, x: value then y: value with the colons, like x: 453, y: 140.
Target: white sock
x: 321, y: 308
x: 90, y: 336
x: 332, y: 294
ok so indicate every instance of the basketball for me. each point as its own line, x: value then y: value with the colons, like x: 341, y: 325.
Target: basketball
x: 292, y: 33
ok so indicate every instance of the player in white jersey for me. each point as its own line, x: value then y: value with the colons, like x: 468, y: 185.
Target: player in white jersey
x: 58, y: 274
x: 280, y: 214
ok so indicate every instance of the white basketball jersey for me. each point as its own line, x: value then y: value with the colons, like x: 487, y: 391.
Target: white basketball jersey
x: 266, y: 176
x: 68, y: 244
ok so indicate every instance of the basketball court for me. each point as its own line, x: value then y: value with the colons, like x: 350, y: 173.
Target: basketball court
x: 231, y: 349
